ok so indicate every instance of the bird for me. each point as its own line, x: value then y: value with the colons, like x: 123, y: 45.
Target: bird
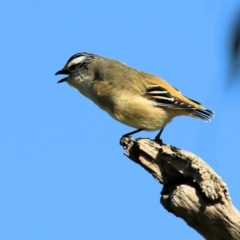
x: 132, y: 97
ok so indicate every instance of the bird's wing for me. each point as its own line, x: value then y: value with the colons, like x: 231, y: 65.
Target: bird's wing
x: 161, y: 97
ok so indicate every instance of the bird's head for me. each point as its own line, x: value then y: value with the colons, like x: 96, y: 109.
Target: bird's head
x: 76, y: 67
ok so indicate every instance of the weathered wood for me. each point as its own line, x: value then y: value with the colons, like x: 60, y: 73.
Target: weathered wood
x: 191, y: 189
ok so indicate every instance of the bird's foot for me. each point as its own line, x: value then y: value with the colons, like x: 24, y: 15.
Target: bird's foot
x: 126, y: 141
x: 158, y: 140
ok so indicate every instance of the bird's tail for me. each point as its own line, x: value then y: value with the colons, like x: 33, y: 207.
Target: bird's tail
x: 203, y: 114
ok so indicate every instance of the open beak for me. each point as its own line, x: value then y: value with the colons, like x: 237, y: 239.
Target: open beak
x: 62, y: 72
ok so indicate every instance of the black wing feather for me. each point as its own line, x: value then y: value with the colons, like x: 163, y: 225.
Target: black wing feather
x: 163, y: 98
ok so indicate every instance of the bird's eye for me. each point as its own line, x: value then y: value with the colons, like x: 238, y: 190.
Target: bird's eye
x: 72, y: 67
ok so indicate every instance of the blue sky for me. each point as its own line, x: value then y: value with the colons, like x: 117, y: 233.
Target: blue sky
x: 63, y: 173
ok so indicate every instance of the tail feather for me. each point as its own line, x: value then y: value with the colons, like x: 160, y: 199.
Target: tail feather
x: 203, y: 114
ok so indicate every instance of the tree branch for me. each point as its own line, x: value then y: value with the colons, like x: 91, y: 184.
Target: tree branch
x: 191, y: 189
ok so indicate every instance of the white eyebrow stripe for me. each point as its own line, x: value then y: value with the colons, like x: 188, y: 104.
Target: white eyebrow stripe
x: 76, y: 60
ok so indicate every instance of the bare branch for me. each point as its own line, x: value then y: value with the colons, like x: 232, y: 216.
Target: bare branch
x: 191, y: 189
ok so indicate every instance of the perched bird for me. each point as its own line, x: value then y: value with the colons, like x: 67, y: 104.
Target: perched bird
x: 132, y: 97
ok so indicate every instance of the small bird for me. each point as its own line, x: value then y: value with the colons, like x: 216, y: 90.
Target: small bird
x: 132, y: 97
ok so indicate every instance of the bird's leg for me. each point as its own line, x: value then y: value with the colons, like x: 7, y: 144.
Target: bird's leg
x: 131, y: 133
x: 157, y: 138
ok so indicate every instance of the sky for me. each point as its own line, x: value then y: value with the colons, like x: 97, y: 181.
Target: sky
x: 63, y: 172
